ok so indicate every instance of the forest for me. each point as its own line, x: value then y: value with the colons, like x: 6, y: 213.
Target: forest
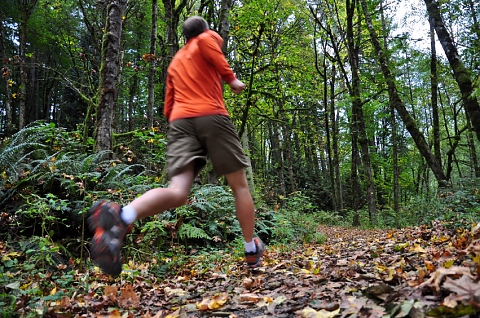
x: 360, y: 120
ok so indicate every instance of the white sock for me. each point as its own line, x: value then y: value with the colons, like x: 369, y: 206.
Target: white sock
x: 129, y: 215
x: 250, y: 247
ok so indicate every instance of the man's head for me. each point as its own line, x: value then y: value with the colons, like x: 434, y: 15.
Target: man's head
x: 193, y: 26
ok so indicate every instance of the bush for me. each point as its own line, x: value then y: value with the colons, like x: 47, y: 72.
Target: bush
x: 298, y: 221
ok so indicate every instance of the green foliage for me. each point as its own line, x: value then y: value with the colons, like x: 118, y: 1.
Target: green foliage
x: 298, y: 221
x: 42, y: 160
x: 149, y: 148
x: 15, y: 152
x: 178, y: 260
x: 42, y: 253
x: 212, y: 209
x: 188, y: 231
x: 46, y: 213
x: 458, y: 207
x: 41, y: 210
x: 210, y: 216
x: 37, y: 257
x: 7, y: 303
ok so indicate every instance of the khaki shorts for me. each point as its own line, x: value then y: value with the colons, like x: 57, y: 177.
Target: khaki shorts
x: 193, y: 139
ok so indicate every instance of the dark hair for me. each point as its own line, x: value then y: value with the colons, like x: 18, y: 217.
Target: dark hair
x: 193, y: 26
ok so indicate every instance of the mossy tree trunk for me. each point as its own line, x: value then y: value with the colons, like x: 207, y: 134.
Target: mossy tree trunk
x: 107, y: 93
x: 460, y: 72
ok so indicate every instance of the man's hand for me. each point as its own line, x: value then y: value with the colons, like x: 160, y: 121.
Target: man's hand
x: 236, y: 86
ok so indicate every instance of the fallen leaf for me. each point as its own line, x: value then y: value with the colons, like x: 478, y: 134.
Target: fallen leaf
x: 213, y: 302
x: 418, y: 249
x: 312, y: 313
x: 466, y: 290
x: 128, y: 298
x: 10, y: 255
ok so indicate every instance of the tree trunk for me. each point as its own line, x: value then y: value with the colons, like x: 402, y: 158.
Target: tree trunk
x: 153, y: 63
x: 326, y: 122
x: 460, y: 73
x: 473, y: 153
x: 333, y: 115
x: 6, y: 73
x: 224, y: 22
x: 330, y: 153
x: 280, y: 160
x: 108, y: 75
x: 394, y: 97
x: 172, y: 17
x: 358, y: 120
x: 475, y: 25
x: 335, y: 135
x: 434, y: 98
x: 132, y: 92
x: 354, y: 183
x: 170, y: 45
x: 287, y: 151
x: 276, y: 157
x: 248, y: 170
x: 244, y: 116
x: 27, y: 7
x: 396, y: 170
x: 32, y: 106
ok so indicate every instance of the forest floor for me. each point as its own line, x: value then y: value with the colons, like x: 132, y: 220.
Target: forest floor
x: 413, y: 272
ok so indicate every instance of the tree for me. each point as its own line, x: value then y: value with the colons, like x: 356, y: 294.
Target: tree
x: 358, y: 120
x: 26, y: 9
x: 398, y: 103
x: 170, y: 44
x: 6, y: 75
x: 108, y: 74
x: 460, y: 72
x: 152, y: 59
x: 434, y: 94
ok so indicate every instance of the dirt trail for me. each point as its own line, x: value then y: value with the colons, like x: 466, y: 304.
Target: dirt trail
x: 413, y: 272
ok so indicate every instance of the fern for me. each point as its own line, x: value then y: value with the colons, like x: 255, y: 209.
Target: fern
x: 188, y: 231
x: 116, y: 172
x: 20, y: 146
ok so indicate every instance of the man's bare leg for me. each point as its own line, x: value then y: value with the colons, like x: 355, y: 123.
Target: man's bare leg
x: 254, y: 247
x: 243, y: 202
x: 158, y: 200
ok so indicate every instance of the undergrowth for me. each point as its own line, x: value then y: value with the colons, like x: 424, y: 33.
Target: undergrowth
x: 49, y: 179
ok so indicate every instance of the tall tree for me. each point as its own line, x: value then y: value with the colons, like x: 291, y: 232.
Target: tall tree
x: 170, y: 43
x: 358, y: 119
x: 398, y: 103
x: 224, y: 22
x: 434, y: 94
x: 26, y: 9
x: 108, y: 74
x: 6, y: 75
x: 460, y: 72
x: 153, y: 63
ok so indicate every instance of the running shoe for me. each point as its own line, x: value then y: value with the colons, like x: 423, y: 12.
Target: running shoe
x: 109, y: 230
x: 254, y: 259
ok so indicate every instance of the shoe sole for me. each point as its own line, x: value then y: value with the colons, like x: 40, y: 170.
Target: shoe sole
x: 260, y: 261
x: 257, y: 265
x: 104, y: 246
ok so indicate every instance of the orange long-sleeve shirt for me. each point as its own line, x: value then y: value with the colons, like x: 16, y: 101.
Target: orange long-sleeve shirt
x: 194, y: 86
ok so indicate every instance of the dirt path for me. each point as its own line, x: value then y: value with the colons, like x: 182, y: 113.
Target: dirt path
x: 413, y: 272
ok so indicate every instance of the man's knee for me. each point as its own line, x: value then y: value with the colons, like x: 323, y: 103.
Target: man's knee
x: 179, y: 197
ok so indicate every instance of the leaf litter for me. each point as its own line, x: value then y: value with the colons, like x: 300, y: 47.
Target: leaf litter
x: 425, y: 271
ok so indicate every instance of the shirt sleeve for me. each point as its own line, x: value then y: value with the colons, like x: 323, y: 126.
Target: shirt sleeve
x: 209, y: 44
x: 167, y: 108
